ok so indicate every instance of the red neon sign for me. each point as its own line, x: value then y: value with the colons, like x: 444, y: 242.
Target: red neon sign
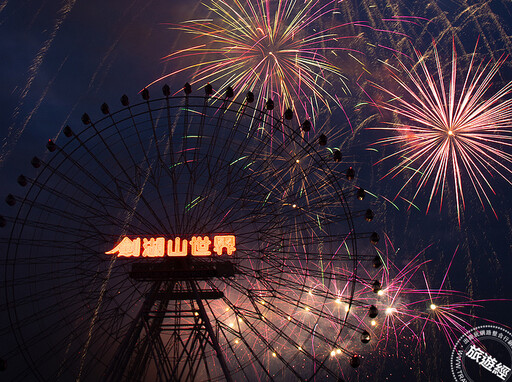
x: 156, y: 247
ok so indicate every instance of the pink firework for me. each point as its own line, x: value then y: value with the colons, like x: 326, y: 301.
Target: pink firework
x: 450, y: 127
x: 408, y: 304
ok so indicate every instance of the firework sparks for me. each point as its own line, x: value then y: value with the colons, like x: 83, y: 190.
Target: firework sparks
x: 281, y: 47
x: 409, y: 304
x: 450, y: 129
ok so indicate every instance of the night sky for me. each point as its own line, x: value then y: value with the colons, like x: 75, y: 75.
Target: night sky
x: 60, y: 59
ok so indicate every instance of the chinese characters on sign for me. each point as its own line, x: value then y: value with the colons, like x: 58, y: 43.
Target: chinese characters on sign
x: 488, y: 362
x: 156, y: 247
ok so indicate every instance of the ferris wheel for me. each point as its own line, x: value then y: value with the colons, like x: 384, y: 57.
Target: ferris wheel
x: 185, y: 238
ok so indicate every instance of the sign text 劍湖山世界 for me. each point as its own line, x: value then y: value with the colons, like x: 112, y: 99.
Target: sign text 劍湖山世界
x: 156, y: 247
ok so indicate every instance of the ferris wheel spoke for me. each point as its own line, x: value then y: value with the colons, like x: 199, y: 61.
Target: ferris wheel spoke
x: 117, y: 201
x: 127, y: 178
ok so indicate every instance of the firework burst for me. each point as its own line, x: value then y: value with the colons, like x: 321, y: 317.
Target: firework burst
x: 450, y: 127
x: 408, y: 304
x: 281, y: 48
